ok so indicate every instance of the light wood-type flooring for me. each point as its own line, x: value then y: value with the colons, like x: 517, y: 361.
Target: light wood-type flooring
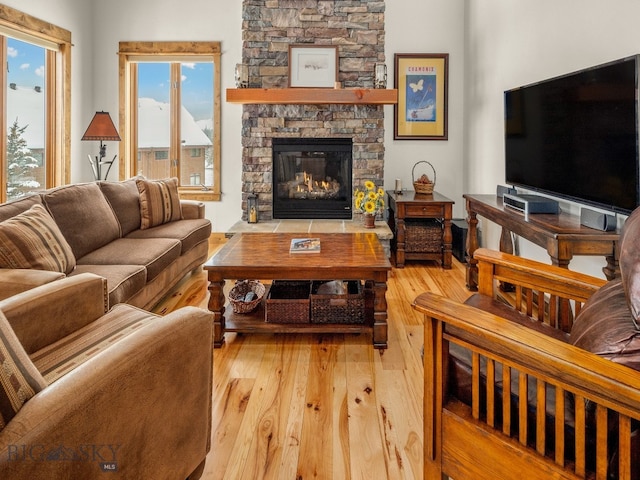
x: 305, y: 407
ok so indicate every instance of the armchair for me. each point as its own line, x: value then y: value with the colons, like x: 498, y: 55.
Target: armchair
x: 536, y: 373
x: 120, y: 391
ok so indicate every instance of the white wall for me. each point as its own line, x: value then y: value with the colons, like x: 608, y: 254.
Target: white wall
x: 515, y: 43
x: 434, y: 26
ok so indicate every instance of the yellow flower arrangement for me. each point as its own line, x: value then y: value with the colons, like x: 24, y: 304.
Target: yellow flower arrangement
x: 370, y: 200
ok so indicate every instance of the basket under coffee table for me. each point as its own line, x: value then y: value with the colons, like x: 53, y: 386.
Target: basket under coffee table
x: 265, y: 256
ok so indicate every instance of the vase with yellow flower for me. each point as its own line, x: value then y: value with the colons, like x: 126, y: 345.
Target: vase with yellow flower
x: 369, y: 202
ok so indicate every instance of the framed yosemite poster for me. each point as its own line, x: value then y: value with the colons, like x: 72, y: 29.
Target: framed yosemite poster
x: 422, y: 84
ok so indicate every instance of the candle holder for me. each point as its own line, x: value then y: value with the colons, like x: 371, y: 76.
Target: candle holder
x: 380, y: 77
x: 252, y: 208
x: 242, y: 75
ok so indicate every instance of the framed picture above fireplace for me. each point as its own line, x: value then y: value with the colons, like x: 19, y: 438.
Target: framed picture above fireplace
x: 313, y: 66
x: 422, y: 83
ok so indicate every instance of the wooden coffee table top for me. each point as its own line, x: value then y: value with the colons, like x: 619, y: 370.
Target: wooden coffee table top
x: 266, y: 255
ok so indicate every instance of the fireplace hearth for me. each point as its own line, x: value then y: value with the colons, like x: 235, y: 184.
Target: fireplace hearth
x: 312, y: 178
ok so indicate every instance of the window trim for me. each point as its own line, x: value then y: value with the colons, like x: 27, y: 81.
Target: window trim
x: 58, y: 92
x: 130, y: 52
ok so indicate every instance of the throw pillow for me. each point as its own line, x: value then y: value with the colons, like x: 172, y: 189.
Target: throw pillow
x: 19, y: 378
x: 159, y: 202
x: 33, y: 240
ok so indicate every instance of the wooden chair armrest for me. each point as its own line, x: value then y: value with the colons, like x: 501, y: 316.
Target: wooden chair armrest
x: 494, y: 265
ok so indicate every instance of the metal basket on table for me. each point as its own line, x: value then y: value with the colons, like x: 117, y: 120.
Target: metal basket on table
x: 238, y: 295
x: 424, y: 188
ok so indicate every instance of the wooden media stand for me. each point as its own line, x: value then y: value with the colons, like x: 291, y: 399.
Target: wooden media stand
x: 561, y: 235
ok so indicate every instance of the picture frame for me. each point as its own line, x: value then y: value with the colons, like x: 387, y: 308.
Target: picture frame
x: 422, y: 81
x: 313, y: 66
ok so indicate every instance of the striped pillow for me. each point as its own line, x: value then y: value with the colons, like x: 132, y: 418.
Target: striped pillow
x: 32, y: 239
x: 159, y: 202
x: 19, y: 378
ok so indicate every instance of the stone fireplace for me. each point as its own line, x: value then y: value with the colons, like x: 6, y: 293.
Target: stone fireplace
x: 269, y: 27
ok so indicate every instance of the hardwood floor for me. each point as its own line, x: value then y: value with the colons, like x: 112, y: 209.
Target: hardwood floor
x: 322, y: 406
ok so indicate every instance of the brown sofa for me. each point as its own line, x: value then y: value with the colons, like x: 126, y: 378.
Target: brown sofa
x: 537, y: 373
x: 137, y: 234
x: 89, y: 393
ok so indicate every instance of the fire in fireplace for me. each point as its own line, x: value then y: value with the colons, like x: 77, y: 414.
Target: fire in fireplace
x: 312, y: 178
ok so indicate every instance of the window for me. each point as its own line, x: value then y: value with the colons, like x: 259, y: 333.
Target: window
x: 170, y: 110
x: 161, y: 155
x: 34, y: 151
x: 195, y: 179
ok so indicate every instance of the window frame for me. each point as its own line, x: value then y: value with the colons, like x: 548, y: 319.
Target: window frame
x: 24, y: 27
x: 130, y: 53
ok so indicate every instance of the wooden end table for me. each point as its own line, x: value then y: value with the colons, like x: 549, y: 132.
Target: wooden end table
x: 412, y: 210
x: 347, y: 256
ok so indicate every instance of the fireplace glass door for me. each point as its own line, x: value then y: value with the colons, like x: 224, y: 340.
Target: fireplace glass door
x: 312, y: 178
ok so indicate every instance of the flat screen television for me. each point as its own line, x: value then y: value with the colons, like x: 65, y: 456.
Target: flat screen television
x: 576, y: 136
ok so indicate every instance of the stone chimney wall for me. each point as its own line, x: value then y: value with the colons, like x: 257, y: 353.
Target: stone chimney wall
x: 268, y: 28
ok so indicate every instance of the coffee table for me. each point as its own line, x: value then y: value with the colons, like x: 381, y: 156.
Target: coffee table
x: 265, y: 256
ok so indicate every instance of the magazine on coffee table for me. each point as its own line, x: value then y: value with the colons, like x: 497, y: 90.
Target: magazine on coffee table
x: 304, y: 245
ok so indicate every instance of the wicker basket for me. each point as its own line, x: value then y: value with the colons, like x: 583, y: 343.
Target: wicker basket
x: 288, y: 302
x: 338, y: 308
x: 423, y: 188
x: 423, y: 236
x: 239, y: 292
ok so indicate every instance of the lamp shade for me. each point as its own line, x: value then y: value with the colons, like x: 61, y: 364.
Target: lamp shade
x: 101, y: 128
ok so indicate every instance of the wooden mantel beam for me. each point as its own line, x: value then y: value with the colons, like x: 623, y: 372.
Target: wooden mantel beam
x: 312, y: 96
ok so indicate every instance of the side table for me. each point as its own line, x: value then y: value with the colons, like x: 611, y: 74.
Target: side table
x: 422, y: 227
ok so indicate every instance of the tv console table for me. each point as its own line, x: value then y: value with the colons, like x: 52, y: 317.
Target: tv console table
x: 561, y: 235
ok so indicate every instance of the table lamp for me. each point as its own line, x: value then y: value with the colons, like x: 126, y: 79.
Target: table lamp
x: 101, y: 128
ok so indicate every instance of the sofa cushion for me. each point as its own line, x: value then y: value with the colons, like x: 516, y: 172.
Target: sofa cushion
x: 606, y: 327
x: 19, y: 378
x: 22, y: 204
x: 123, y: 281
x: 630, y: 261
x: 125, y: 201
x: 189, y: 232
x: 59, y: 358
x: 32, y: 240
x: 159, y: 201
x: 155, y: 254
x: 84, y: 216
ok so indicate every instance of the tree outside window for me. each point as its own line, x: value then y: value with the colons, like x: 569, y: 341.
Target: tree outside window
x: 34, y: 151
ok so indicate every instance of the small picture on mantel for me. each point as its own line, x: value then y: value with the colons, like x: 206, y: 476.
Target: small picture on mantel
x: 313, y: 66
